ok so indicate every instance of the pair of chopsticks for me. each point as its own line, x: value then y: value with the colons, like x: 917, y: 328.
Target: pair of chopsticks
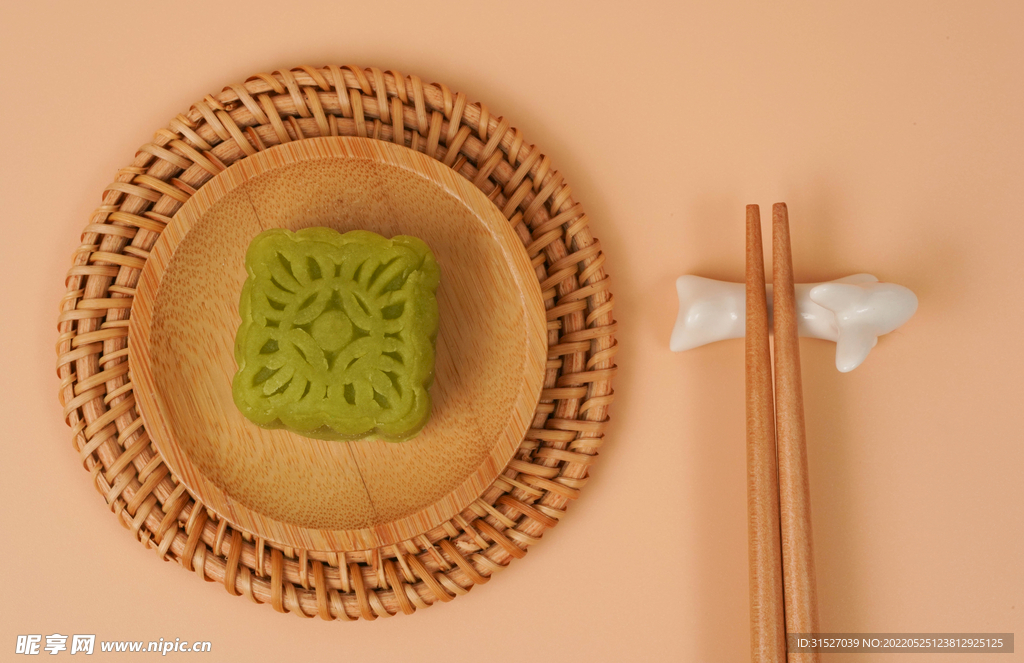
x: 783, y: 598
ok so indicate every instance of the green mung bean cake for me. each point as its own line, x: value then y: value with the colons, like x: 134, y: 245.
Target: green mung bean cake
x: 337, y: 334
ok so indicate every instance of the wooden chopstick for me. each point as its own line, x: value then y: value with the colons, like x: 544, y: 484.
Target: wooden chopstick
x: 767, y: 625
x: 801, y: 601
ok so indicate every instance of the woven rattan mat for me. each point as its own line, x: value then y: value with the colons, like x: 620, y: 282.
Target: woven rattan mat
x: 550, y: 467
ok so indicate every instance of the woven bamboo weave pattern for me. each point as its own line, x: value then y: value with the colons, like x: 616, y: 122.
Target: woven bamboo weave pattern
x: 549, y: 469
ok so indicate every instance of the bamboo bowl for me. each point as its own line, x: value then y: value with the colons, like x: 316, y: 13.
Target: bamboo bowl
x: 329, y: 495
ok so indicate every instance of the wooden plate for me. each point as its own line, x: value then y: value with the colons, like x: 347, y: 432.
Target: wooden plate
x: 337, y: 496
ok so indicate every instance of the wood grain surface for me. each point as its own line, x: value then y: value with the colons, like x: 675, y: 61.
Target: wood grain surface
x: 767, y: 625
x: 322, y: 495
x: 799, y: 586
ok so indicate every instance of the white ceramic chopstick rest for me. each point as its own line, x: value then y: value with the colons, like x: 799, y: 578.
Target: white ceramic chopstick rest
x: 852, y: 311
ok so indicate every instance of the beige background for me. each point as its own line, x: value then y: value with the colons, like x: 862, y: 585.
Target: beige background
x: 893, y: 130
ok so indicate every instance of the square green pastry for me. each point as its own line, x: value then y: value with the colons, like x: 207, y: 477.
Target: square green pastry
x: 337, y: 334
